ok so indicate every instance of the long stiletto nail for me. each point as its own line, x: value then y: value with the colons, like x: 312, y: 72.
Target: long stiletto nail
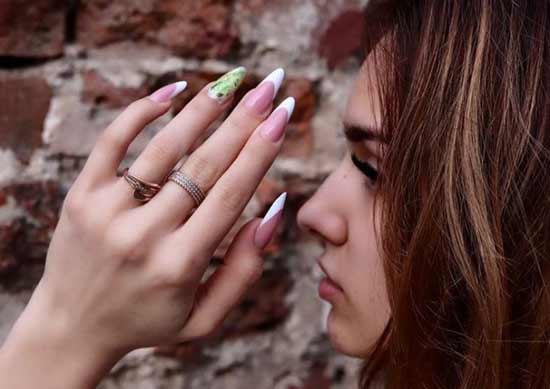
x: 274, y: 127
x: 269, y: 223
x: 168, y: 92
x: 261, y: 98
x: 227, y: 84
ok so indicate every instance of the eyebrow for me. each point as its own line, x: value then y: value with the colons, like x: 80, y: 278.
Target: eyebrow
x: 358, y: 132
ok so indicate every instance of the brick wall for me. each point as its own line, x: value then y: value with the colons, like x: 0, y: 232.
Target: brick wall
x: 68, y: 67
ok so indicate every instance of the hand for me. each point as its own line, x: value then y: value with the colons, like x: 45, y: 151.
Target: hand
x: 121, y: 274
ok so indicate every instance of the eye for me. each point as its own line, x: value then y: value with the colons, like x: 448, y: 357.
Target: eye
x: 366, y: 168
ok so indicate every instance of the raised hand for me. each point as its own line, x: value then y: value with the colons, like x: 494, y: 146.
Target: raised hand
x: 123, y: 273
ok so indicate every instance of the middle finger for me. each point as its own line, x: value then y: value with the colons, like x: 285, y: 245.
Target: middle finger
x: 170, y: 144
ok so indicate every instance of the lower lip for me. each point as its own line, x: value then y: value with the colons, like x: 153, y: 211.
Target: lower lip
x: 328, y: 289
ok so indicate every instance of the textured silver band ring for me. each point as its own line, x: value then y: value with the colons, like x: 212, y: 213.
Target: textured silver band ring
x: 185, y: 182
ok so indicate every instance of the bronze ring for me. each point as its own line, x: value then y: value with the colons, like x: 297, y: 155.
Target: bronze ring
x: 143, y: 190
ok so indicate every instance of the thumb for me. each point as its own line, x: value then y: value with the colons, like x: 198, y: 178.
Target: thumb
x: 242, y: 266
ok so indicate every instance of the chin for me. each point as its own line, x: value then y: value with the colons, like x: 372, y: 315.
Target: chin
x: 345, y: 339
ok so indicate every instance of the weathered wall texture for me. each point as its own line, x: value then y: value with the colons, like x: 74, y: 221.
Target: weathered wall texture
x: 68, y: 67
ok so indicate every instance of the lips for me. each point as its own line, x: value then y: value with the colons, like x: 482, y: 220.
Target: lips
x: 323, y: 268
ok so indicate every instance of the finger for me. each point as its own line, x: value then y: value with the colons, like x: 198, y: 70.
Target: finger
x: 170, y: 144
x: 206, y: 164
x: 241, y: 268
x: 112, y: 145
x: 207, y: 226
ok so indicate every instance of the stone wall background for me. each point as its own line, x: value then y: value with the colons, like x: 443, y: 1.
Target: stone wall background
x: 68, y: 67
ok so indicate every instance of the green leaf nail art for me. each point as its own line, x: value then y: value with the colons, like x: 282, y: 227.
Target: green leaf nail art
x: 227, y: 84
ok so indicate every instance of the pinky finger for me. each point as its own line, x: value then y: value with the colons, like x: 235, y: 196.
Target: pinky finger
x: 243, y: 266
x: 112, y: 145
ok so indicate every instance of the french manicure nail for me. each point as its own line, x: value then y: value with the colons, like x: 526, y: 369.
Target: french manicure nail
x: 269, y: 223
x: 168, y: 92
x: 227, y: 84
x: 276, y: 77
x: 261, y: 98
x: 274, y: 127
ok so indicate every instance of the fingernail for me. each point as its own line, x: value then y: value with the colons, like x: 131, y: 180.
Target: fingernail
x: 266, y: 229
x: 227, y: 84
x: 168, y: 92
x: 274, y: 127
x: 261, y: 98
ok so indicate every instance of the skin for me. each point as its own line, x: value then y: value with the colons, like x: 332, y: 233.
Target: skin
x: 121, y: 274
x: 342, y: 215
x: 156, y: 253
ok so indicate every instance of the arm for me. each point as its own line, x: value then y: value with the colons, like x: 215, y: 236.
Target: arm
x: 41, y: 351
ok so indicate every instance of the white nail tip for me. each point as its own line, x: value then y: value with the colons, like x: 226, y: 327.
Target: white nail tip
x: 276, y: 77
x: 275, y: 208
x: 288, y: 104
x: 180, y: 87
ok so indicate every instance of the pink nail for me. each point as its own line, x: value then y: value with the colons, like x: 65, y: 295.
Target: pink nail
x: 274, y: 127
x: 168, y: 92
x: 262, y: 97
x: 269, y: 223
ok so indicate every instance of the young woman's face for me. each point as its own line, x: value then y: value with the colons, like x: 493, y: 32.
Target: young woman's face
x: 342, y: 214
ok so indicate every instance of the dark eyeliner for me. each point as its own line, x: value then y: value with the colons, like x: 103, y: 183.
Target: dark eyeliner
x: 365, y: 167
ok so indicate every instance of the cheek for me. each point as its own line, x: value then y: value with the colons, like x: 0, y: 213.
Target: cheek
x: 369, y: 305
x: 360, y: 321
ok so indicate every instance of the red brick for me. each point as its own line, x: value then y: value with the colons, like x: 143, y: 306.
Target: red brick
x: 199, y: 28
x: 342, y: 38
x: 99, y: 90
x: 22, y: 242
x: 299, y: 138
x: 32, y: 28
x: 24, y: 104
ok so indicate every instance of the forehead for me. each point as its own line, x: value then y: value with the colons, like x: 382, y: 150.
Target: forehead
x: 363, y: 105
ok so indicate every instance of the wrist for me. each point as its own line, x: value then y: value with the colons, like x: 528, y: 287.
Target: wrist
x: 44, y: 350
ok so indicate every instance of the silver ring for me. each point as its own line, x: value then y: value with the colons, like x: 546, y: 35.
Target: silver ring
x: 185, y: 182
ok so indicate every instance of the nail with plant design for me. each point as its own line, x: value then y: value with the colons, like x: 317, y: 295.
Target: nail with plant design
x: 227, y: 84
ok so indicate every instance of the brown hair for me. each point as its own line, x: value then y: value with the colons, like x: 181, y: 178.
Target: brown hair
x: 465, y: 193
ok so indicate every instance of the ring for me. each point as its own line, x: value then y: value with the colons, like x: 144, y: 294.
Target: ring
x: 143, y: 190
x: 185, y: 182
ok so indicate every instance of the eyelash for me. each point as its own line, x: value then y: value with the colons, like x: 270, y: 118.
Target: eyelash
x: 365, y: 168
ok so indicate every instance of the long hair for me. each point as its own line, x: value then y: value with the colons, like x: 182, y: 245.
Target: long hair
x: 465, y: 193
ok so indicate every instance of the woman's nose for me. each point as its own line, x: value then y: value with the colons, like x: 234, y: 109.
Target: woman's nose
x: 322, y: 215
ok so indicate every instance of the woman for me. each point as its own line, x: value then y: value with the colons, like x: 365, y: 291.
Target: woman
x: 435, y: 223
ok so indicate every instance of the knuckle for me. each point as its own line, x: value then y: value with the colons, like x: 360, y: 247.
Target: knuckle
x: 201, y: 169
x: 232, y: 198
x: 140, y: 107
x: 189, y: 270
x: 159, y: 150
x: 74, y: 203
x: 207, y: 328
x: 81, y: 218
x: 124, y: 243
x: 111, y: 139
x: 203, y: 103
x: 251, y: 270
x: 169, y: 279
x: 237, y: 123
x: 178, y: 277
